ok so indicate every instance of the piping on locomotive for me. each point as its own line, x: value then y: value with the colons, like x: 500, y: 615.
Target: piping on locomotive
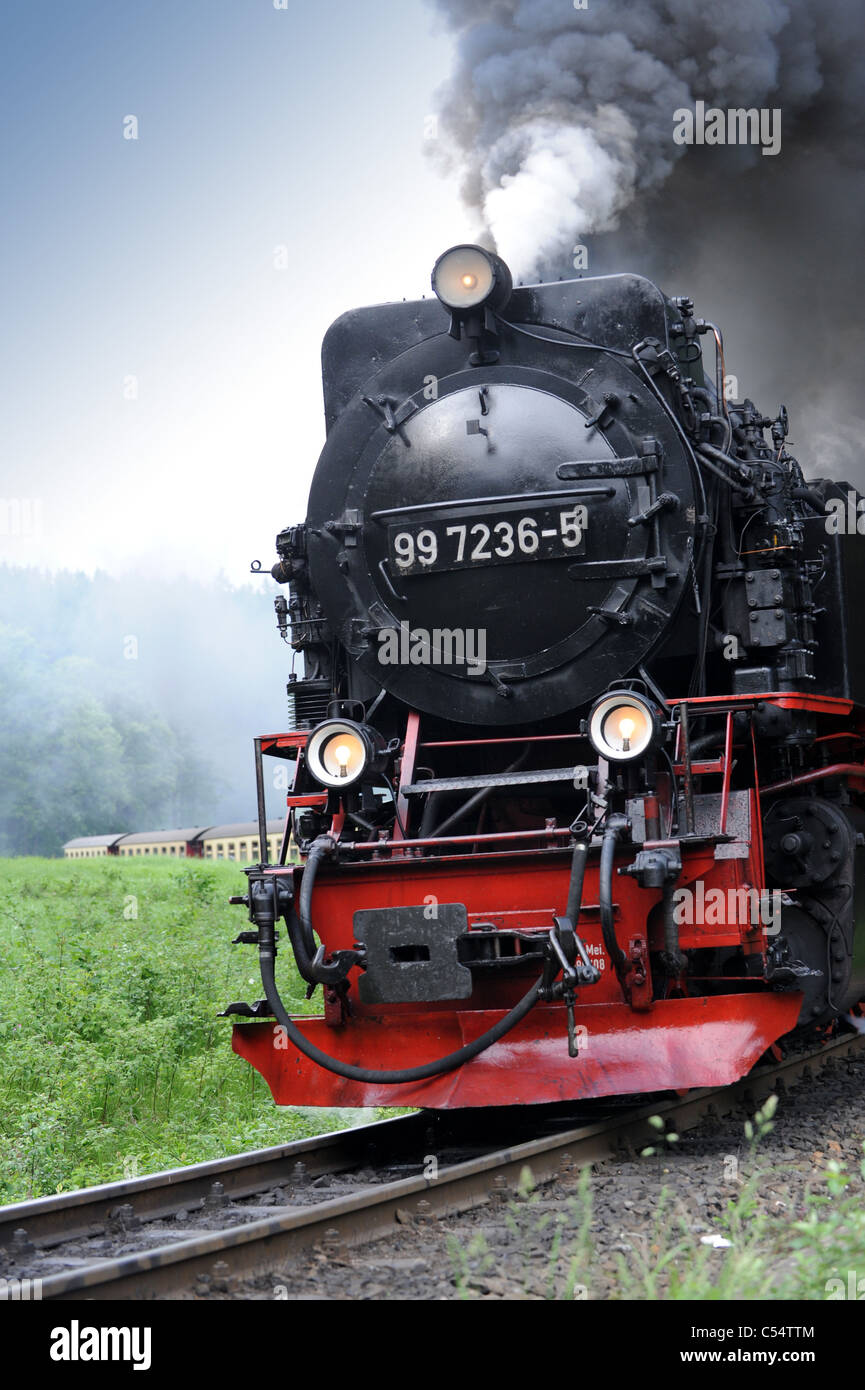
x: 615, y: 844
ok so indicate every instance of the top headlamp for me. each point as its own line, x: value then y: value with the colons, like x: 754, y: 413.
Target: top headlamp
x: 467, y: 277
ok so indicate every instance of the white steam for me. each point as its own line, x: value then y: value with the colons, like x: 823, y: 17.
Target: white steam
x: 568, y: 177
x: 559, y: 123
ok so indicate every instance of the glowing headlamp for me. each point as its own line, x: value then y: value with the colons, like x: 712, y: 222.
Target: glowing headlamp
x: 623, y: 726
x: 338, y: 752
x: 341, y: 752
x: 466, y: 277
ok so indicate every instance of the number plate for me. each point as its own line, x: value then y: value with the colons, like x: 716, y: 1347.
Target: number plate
x: 478, y: 539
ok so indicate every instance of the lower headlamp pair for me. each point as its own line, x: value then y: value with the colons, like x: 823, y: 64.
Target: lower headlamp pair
x: 622, y: 727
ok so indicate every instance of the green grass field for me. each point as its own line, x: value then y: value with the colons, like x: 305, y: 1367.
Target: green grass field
x: 112, y: 1060
x: 113, y: 1063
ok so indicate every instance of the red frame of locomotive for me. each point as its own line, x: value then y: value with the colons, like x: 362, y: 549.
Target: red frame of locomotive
x: 520, y: 879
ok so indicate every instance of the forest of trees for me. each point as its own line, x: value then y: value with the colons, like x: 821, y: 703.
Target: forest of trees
x: 130, y: 704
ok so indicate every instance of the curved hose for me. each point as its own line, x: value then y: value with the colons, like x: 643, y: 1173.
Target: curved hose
x: 605, y: 898
x: 322, y: 846
x: 389, y: 1078
x: 314, y: 971
x: 311, y: 967
x: 310, y: 960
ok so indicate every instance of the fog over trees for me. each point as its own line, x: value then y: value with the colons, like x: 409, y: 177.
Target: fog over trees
x: 131, y: 703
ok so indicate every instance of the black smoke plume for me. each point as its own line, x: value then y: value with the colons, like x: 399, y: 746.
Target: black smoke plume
x: 560, y: 121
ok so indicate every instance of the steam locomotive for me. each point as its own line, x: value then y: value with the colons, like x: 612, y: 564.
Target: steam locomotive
x: 576, y: 758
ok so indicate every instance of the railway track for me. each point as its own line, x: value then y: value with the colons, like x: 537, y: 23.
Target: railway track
x: 153, y: 1237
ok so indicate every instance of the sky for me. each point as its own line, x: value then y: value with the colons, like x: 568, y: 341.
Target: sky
x: 164, y: 297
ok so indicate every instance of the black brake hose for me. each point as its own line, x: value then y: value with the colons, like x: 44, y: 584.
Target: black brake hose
x: 299, y: 924
x: 605, y: 898
x: 311, y: 969
x: 388, y: 1078
x: 301, y: 935
x: 322, y: 846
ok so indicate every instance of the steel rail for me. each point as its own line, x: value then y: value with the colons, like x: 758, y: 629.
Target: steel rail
x: 68, y: 1216
x: 259, y: 1247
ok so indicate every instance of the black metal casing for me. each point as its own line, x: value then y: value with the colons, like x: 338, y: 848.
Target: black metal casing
x: 413, y: 425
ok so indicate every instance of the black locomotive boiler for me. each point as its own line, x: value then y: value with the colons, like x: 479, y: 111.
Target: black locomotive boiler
x: 576, y: 755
